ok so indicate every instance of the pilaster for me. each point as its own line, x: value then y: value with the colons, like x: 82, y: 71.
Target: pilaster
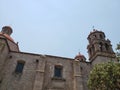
x: 39, y: 76
x: 78, y: 82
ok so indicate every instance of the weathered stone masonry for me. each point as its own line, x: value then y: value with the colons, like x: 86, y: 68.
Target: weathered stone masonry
x: 28, y: 71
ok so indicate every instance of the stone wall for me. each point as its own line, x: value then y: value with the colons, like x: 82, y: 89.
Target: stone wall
x: 19, y: 81
x: 38, y: 73
x: 13, y: 46
x: 3, y: 56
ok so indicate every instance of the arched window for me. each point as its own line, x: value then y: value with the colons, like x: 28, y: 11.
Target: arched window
x: 101, y: 46
x: 106, y: 46
x: 19, y: 66
x: 101, y: 37
x: 94, y: 36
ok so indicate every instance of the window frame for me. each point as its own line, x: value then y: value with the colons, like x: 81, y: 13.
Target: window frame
x: 19, y: 66
x: 58, y: 71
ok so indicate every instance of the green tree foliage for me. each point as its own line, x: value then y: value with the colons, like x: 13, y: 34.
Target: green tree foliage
x: 118, y: 51
x: 105, y: 76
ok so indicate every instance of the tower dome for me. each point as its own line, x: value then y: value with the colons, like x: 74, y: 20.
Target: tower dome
x: 80, y: 57
x: 6, y: 32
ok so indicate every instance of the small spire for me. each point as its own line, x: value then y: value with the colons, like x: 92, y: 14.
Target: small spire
x: 78, y: 51
x: 93, y: 27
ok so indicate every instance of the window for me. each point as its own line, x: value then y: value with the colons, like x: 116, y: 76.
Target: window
x: 106, y: 46
x: 101, y: 46
x: 19, y: 67
x: 101, y: 37
x: 94, y: 36
x: 58, y: 71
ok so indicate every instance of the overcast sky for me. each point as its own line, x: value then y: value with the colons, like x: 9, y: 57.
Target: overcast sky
x: 59, y: 27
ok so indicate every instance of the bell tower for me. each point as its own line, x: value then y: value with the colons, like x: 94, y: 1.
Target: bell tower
x: 99, y: 48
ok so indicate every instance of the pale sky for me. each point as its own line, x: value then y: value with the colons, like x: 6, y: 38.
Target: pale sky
x: 59, y: 27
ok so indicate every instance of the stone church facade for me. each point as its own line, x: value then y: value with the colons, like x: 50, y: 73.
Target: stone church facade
x: 28, y: 71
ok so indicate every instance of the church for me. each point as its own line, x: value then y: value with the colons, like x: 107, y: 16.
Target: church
x: 29, y: 71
